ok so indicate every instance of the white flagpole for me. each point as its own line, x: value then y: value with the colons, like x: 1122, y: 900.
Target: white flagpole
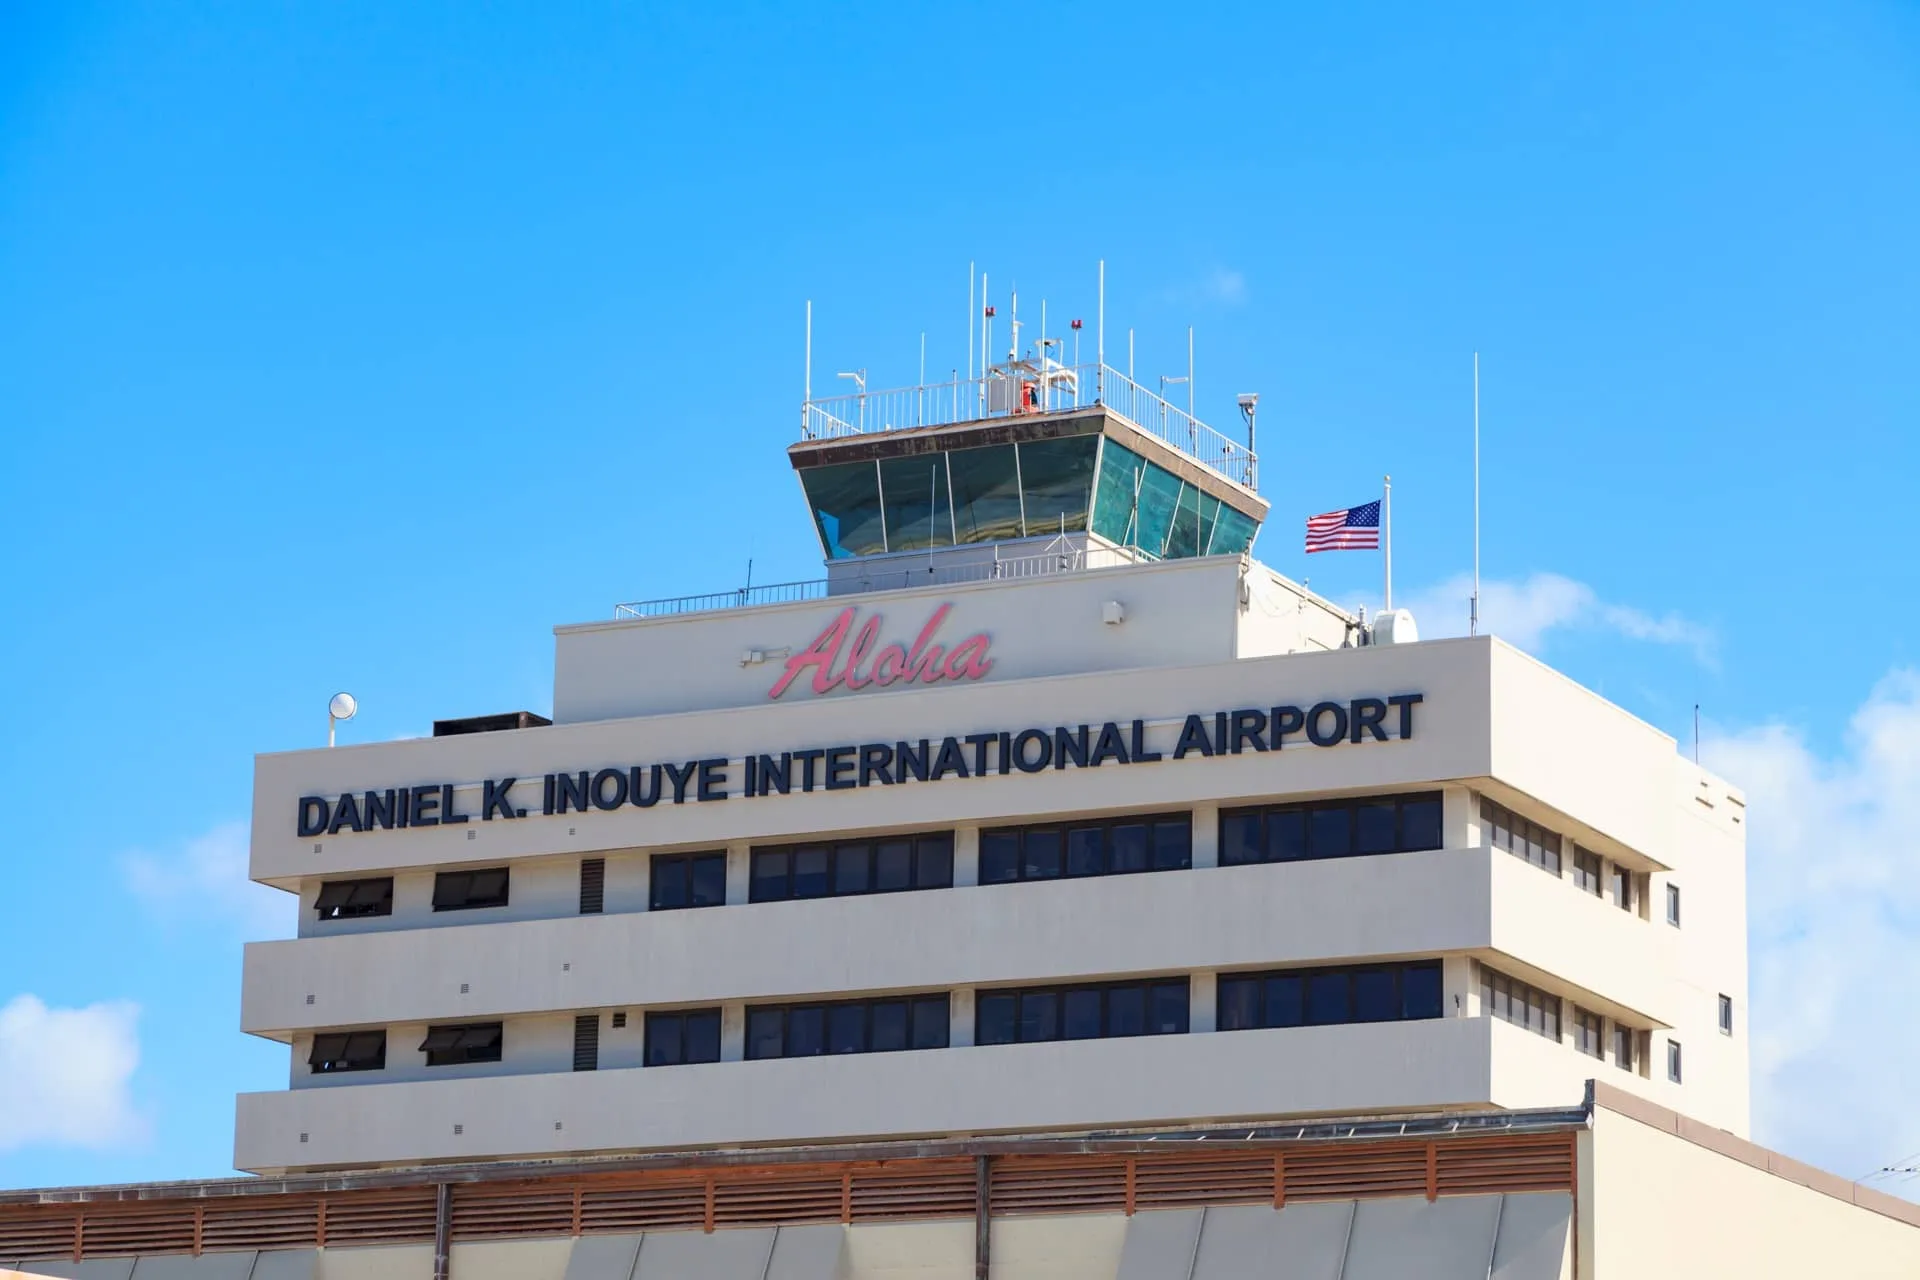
x: 1386, y: 536
x: 1473, y: 606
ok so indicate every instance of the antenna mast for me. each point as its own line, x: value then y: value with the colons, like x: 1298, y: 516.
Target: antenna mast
x: 1473, y: 607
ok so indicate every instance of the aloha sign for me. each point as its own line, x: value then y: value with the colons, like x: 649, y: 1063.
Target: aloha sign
x: 843, y: 656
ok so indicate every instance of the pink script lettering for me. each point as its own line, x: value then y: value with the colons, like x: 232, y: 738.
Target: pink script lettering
x: 843, y: 656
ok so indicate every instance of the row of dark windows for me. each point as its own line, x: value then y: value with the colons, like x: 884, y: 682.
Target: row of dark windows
x: 1116, y: 846
x: 1330, y: 996
x: 891, y: 864
x: 1363, y: 826
x: 1091, y: 1011
x: 1331, y: 829
x: 452, y: 891
x: 885, y: 1025
x: 446, y: 1046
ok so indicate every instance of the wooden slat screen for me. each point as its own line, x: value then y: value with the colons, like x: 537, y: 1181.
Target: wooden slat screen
x: 37, y: 1233
x: 1175, y: 1181
x: 494, y: 1211
x: 860, y: 1191
x: 765, y: 1199
x: 261, y: 1222
x: 377, y: 1217
x: 898, y: 1190
x: 116, y: 1230
x: 1372, y: 1169
x: 617, y: 1205
x: 1059, y: 1184
x: 1473, y: 1166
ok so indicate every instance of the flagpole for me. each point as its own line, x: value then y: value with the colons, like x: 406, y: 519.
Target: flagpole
x: 1386, y: 536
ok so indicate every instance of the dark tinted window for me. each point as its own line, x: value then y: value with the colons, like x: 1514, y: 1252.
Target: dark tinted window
x: 999, y: 856
x: 1240, y: 839
x: 350, y: 899
x: 465, y: 890
x: 845, y: 498
x: 470, y: 1042
x: 996, y: 1017
x: 1116, y: 846
x: 1325, y: 997
x: 348, y: 1051
x: 848, y: 1026
x: 889, y: 864
x: 1088, y: 1011
x: 1375, y: 996
x: 688, y: 880
x: 1331, y: 829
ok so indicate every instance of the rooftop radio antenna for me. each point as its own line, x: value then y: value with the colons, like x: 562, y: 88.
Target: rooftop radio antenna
x: 1100, y: 334
x: 807, y: 397
x: 969, y: 324
x: 1473, y: 606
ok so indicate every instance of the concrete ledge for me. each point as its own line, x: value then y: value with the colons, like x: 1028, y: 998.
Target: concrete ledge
x: 1720, y: 1142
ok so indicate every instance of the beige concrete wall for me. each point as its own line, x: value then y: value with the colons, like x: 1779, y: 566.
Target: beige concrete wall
x: 1220, y: 918
x: 1450, y: 742
x: 1655, y: 1204
x: 1177, y: 613
x: 1339, y: 1070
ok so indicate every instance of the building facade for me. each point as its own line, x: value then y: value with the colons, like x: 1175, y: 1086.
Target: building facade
x: 1050, y: 890
x: 1037, y: 815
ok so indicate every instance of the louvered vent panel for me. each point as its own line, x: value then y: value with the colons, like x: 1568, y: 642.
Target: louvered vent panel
x: 380, y: 1217
x: 913, y: 1189
x: 593, y: 886
x: 37, y: 1234
x: 1059, y: 1184
x: 489, y: 1212
x: 586, y: 1042
x: 649, y: 1205
x: 117, y: 1232
x: 261, y: 1222
x: 1337, y: 1173
x: 776, y: 1198
x: 1473, y: 1166
x: 1168, y: 1182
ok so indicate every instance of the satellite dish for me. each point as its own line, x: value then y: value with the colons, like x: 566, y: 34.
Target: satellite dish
x: 342, y: 707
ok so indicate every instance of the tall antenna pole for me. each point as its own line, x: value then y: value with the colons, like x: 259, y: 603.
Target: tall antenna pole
x: 1473, y: 608
x: 986, y: 331
x: 969, y: 324
x: 1386, y: 537
x: 1129, y: 355
x: 1100, y: 330
x: 806, y: 397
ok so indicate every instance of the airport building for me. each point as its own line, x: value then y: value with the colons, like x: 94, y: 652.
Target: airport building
x: 1051, y: 889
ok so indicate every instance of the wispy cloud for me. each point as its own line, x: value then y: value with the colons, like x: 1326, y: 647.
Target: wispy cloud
x: 1217, y: 286
x: 1527, y: 611
x: 65, y: 1074
x: 208, y: 874
x: 1834, y: 917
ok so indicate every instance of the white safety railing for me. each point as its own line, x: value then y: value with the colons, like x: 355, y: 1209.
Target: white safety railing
x: 889, y: 577
x: 1053, y: 390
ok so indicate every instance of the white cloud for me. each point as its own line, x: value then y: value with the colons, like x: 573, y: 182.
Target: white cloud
x: 1523, y: 613
x: 1221, y: 286
x: 64, y: 1074
x: 1834, y: 918
x: 209, y: 873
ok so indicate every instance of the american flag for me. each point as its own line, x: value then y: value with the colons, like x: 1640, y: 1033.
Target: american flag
x: 1348, y: 529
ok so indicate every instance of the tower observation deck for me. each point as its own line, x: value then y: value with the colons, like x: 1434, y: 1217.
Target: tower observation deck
x: 1035, y: 467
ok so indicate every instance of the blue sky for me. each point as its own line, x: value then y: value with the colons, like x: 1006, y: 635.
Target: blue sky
x: 353, y: 346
